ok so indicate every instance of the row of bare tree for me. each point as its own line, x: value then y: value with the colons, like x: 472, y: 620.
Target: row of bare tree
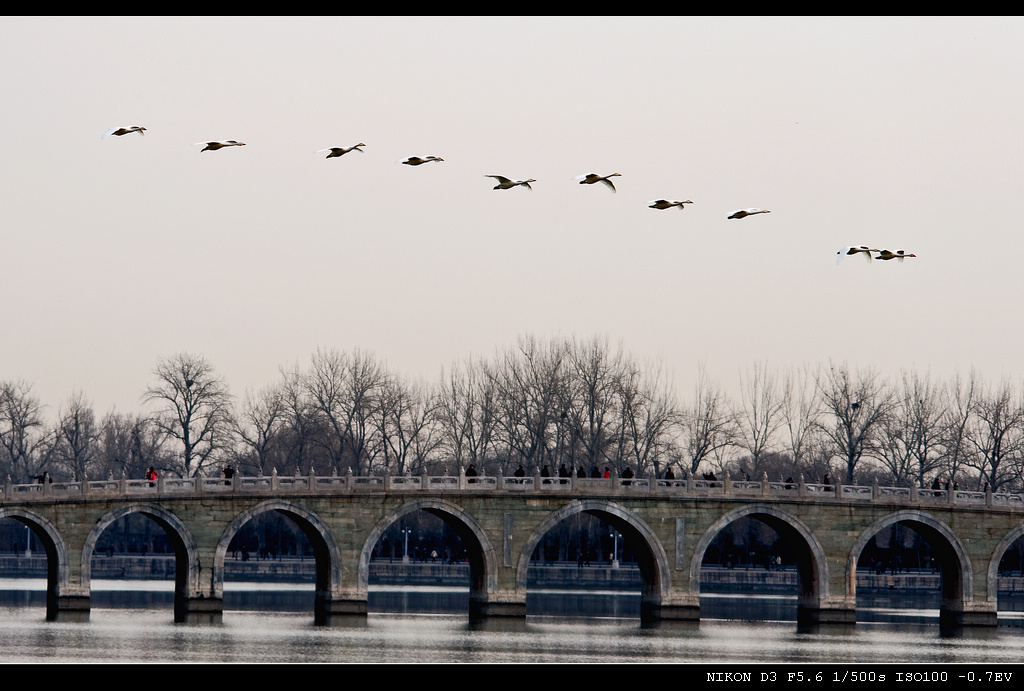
x: 565, y: 403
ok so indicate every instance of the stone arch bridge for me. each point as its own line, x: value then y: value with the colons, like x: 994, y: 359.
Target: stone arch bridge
x: 668, y: 523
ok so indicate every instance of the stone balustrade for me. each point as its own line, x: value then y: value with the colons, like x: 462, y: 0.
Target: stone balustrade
x: 348, y: 484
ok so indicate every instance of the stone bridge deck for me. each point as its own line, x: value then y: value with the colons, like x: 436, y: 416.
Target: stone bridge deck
x: 347, y: 484
x: 669, y: 524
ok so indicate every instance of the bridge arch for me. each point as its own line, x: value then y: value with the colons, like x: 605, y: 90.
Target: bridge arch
x: 57, y: 573
x: 483, y: 563
x: 186, y: 559
x: 811, y: 559
x: 652, y: 560
x: 992, y: 577
x: 954, y: 563
x: 186, y: 579
x: 325, y: 548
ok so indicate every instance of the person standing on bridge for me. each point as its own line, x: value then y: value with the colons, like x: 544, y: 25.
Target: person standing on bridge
x: 627, y: 476
x: 151, y: 475
x: 229, y: 473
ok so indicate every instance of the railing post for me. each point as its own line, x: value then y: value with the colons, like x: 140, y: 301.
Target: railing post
x: 122, y: 485
x: 727, y: 485
x: 988, y: 495
x: 273, y: 479
x: 875, y: 492
x: 764, y: 484
x: 159, y: 484
x: 312, y: 479
x: 197, y: 483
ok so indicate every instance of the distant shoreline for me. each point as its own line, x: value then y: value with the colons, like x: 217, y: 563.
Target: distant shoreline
x: 551, y: 575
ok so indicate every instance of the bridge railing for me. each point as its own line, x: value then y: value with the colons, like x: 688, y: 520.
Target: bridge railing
x: 666, y: 487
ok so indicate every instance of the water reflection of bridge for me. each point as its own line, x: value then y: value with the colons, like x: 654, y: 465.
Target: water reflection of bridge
x: 668, y: 525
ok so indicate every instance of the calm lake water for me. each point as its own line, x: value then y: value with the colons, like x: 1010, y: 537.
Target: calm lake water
x: 273, y: 623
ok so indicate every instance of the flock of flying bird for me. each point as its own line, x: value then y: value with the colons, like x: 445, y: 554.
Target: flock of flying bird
x: 505, y: 183
x: 884, y: 255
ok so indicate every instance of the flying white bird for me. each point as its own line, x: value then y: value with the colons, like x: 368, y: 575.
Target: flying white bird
x: 742, y: 213
x: 120, y: 131
x: 886, y: 255
x: 666, y: 204
x: 847, y: 251
x: 338, y: 151
x: 505, y: 184
x: 417, y: 161
x: 213, y: 146
x: 591, y: 178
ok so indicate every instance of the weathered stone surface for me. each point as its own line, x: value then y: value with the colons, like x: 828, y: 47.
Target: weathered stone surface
x: 668, y: 527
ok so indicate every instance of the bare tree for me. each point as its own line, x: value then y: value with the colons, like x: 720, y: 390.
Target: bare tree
x: 589, y: 413
x: 194, y: 408
x: 259, y: 429
x: 467, y: 414
x: 709, y: 427
x: 855, y: 409
x: 302, y: 435
x: 20, y: 420
x: 801, y: 412
x: 529, y: 385
x: 650, y: 418
x: 760, y: 416
x: 129, y: 444
x: 955, y: 424
x: 926, y: 404
x: 406, y: 416
x: 345, y: 390
x: 75, y: 438
x: 366, y: 381
x: 996, y: 434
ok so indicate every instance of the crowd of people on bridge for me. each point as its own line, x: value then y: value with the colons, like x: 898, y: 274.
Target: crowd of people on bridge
x: 565, y: 473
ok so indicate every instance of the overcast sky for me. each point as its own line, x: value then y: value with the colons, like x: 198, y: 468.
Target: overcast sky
x: 898, y: 133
